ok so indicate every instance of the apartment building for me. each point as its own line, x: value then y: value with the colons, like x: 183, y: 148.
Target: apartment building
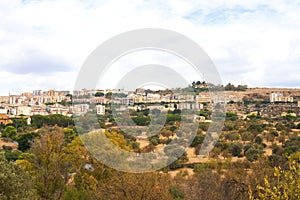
x: 100, y: 109
x: 279, y: 97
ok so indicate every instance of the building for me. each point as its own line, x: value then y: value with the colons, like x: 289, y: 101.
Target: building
x: 100, y: 109
x: 279, y: 97
x: 38, y: 110
x: 3, y: 110
x: 37, y: 92
x: 52, y: 93
x: 203, y: 98
x: 4, y: 99
x: 24, y: 110
x: 153, y: 97
x: 79, y: 109
x: 58, y: 109
x: 99, y: 100
x: 13, y: 99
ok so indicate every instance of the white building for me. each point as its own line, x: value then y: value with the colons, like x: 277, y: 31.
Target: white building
x: 100, y: 109
x: 58, y: 109
x: 24, y: 110
x: 278, y: 97
x: 79, y: 109
x: 38, y: 110
x: 3, y: 110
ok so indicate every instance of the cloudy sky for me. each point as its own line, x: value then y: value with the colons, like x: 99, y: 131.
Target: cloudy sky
x: 43, y: 43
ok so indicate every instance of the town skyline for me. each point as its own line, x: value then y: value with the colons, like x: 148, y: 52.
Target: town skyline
x: 11, y: 92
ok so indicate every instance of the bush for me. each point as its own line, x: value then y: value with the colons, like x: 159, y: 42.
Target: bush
x: 235, y: 149
x: 252, y: 154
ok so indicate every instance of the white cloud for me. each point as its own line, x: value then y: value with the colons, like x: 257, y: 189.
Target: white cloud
x: 251, y: 42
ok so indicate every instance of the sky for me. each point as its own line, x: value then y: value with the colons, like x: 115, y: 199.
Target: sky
x: 43, y: 43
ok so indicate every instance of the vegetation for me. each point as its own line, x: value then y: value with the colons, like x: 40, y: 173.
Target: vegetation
x: 231, y: 87
x: 254, y: 158
x: 15, y: 183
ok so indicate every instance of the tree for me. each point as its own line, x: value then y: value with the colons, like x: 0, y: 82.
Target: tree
x: 154, y: 140
x: 252, y: 153
x: 292, y: 145
x: 25, y: 141
x: 126, y: 186
x: 14, y: 182
x: 235, y: 149
x: 258, y: 140
x: 108, y: 95
x: 199, y: 138
x: 231, y: 116
x: 12, y: 155
x: 279, y: 127
x: 48, y: 162
x: 51, y: 120
x: 70, y: 135
x: 9, y: 132
x: 284, y: 185
x: 99, y: 94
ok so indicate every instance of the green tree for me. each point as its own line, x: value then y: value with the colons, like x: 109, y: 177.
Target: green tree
x: 70, y: 135
x: 25, y: 141
x: 99, y: 94
x: 235, y: 149
x: 252, y: 153
x: 258, y: 140
x: 15, y: 183
x: 199, y: 138
x: 9, y: 132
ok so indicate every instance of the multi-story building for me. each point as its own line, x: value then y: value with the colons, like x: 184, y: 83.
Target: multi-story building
x: 3, y: 110
x: 24, y: 110
x: 4, y: 99
x: 39, y: 110
x: 99, y: 100
x: 100, y: 109
x: 13, y: 99
x: 79, y: 109
x: 37, y: 92
x: 58, y: 109
x: 278, y: 97
x: 52, y: 93
x: 152, y: 97
x: 203, y: 98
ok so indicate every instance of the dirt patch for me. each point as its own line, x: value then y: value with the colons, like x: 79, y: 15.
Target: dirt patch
x: 4, y: 142
x: 143, y: 142
x: 184, y: 171
x: 193, y: 158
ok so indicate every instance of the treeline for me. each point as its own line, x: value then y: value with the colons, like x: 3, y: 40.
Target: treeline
x: 231, y: 87
x: 199, y: 86
x: 51, y: 120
